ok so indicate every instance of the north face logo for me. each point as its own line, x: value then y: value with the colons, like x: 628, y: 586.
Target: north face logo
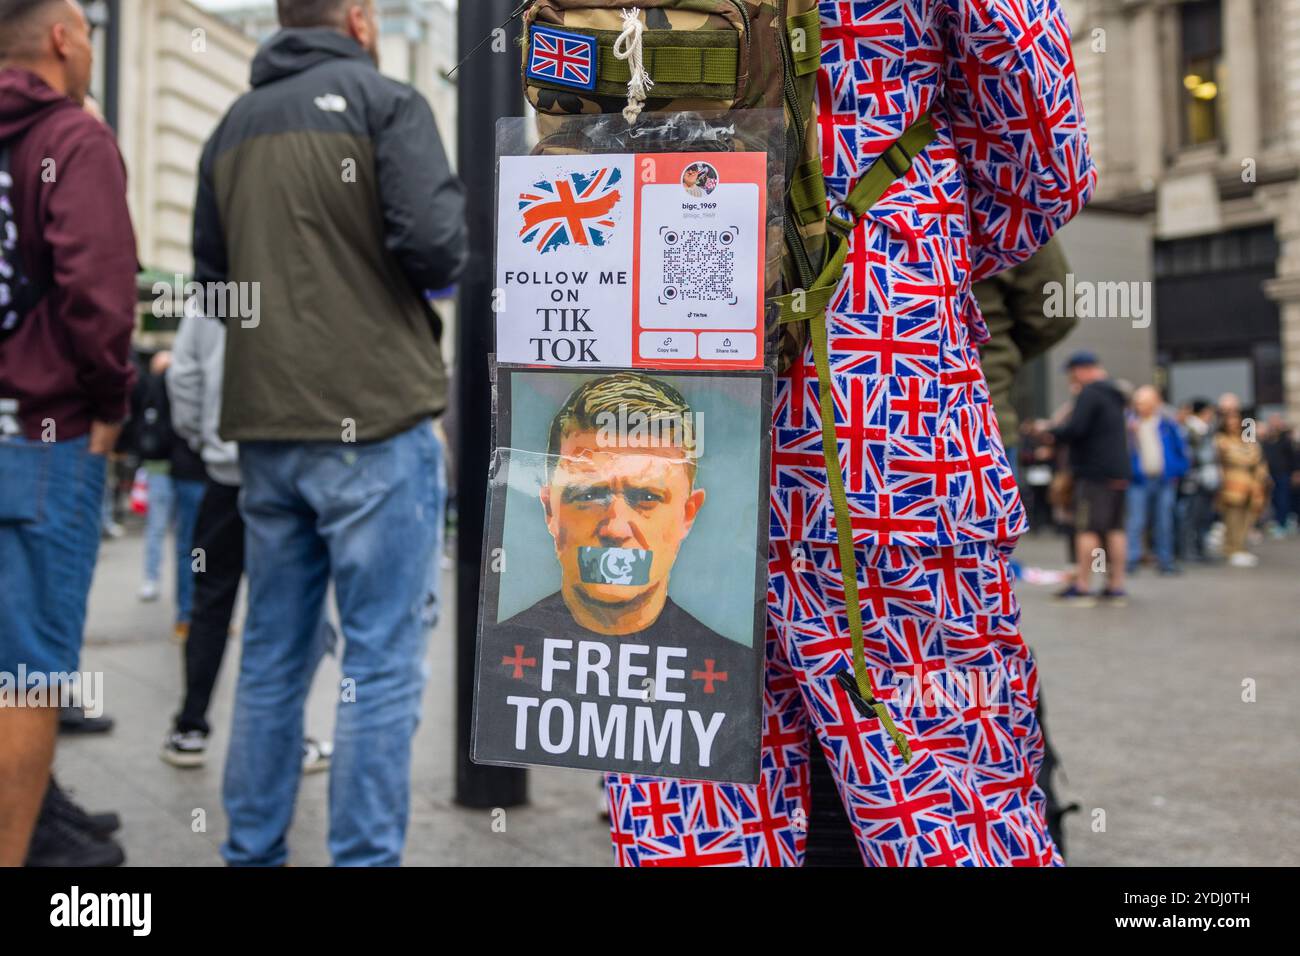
x: 331, y: 103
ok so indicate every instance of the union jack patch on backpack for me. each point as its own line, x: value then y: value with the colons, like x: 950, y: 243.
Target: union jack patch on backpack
x: 568, y: 59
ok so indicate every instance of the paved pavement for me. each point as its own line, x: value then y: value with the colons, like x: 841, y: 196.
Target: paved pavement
x: 1169, y: 763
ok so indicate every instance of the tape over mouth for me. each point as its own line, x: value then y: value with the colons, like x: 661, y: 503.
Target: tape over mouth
x: 626, y: 566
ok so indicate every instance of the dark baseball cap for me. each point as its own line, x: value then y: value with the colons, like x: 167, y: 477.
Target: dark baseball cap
x: 1082, y: 360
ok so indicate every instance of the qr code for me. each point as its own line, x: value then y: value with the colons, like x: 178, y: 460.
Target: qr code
x: 699, y: 265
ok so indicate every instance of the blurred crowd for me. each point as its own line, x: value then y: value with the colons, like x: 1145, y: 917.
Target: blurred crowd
x: 1132, y: 480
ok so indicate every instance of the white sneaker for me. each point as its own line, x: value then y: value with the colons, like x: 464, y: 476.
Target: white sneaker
x: 149, y: 591
x: 188, y: 749
x: 1243, y: 559
x: 316, y: 755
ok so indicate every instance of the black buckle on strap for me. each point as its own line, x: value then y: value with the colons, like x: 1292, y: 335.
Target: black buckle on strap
x: 864, y: 705
x: 897, y: 166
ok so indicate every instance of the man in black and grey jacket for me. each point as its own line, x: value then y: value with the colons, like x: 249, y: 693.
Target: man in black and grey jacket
x: 325, y: 208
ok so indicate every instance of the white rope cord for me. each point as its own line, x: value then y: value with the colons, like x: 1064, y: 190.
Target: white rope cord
x: 628, y: 47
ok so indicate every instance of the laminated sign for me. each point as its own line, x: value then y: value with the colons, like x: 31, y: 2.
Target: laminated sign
x: 621, y: 625
x: 633, y: 260
x: 624, y: 582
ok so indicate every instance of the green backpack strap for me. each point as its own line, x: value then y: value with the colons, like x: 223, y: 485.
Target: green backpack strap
x: 889, y: 166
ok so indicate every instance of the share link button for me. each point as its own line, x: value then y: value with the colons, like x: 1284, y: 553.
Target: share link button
x: 736, y: 346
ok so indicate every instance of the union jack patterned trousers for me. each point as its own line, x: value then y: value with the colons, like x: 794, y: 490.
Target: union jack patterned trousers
x: 944, y: 652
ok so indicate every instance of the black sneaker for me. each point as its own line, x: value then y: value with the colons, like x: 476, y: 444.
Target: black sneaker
x: 1075, y: 597
x: 74, y: 720
x: 56, y: 842
x: 59, y: 804
x: 1112, y: 598
x: 187, y: 748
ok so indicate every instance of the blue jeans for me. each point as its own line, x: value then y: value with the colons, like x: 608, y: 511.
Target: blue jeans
x: 1152, y: 502
x: 368, y: 515
x: 172, y: 501
x: 50, y: 497
x: 1282, y: 500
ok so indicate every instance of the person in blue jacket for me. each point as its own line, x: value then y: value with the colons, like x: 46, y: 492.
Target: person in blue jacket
x: 1159, y: 458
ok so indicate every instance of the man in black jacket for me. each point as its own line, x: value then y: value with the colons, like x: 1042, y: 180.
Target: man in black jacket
x: 1097, y: 434
x: 326, y: 207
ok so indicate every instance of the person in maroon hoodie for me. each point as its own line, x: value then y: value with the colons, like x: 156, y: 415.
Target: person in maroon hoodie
x: 65, y: 377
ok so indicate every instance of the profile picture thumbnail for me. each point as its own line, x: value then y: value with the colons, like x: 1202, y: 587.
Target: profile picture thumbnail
x: 700, y: 179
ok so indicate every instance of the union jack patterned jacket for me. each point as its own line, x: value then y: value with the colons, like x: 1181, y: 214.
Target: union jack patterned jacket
x: 918, y: 443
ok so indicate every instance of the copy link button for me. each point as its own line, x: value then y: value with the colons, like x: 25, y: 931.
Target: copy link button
x: 670, y: 345
x: 738, y: 346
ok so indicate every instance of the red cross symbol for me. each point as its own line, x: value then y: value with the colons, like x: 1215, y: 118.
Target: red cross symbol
x: 708, y: 675
x: 519, y: 662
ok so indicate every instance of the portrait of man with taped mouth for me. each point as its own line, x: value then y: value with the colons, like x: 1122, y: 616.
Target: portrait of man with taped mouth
x: 619, y: 498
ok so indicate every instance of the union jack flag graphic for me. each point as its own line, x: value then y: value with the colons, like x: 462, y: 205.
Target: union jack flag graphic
x: 571, y: 210
x: 1009, y: 165
x: 932, y: 504
x: 565, y: 58
x: 968, y: 796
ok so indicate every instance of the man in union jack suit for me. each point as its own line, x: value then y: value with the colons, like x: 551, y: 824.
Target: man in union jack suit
x: 933, y: 505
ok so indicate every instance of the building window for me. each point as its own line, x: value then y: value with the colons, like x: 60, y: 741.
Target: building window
x: 1201, y: 24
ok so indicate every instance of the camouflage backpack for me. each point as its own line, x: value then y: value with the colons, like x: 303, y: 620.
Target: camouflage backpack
x: 713, y: 55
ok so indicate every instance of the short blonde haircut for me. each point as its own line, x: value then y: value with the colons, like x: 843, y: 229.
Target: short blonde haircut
x: 627, y: 393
